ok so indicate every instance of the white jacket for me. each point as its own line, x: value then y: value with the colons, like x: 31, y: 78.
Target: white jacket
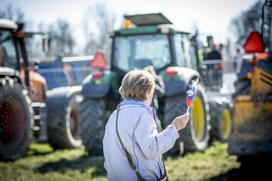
x: 138, y: 132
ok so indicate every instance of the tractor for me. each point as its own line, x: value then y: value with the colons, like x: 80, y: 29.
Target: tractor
x: 26, y: 109
x: 63, y: 76
x: 147, y: 40
x: 251, y: 127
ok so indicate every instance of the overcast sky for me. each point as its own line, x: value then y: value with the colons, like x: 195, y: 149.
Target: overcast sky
x: 211, y: 16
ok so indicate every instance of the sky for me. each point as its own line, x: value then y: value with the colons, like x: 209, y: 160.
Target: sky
x: 210, y: 16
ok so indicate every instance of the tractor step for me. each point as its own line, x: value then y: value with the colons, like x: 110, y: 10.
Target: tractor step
x: 40, y: 121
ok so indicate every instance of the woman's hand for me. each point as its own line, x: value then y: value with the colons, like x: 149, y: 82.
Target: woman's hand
x: 180, y: 122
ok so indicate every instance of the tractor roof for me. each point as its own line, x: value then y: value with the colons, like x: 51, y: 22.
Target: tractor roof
x: 148, y: 19
x: 148, y: 24
x: 8, y: 24
x: 143, y: 30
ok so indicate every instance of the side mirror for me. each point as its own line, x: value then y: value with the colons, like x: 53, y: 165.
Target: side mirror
x: 254, y: 43
x: 45, y: 44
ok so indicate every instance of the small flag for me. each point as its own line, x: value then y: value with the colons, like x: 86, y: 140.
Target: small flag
x: 191, y: 94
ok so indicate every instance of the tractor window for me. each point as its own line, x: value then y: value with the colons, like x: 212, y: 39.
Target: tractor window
x: 8, y: 55
x: 140, y: 51
x: 179, y: 49
x: 185, y: 55
x: 189, y: 53
x: 34, y: 48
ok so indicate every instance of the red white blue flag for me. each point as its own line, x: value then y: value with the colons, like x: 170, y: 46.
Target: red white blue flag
x: 191, y: 94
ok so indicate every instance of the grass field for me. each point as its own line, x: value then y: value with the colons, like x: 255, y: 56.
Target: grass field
x: 44, y: 164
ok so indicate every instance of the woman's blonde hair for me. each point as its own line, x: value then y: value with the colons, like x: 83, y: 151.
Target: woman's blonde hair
x: 136, y: 84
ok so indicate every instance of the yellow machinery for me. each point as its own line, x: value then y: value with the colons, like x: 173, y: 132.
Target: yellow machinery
x: 252, y: 117
x: 261, y: 82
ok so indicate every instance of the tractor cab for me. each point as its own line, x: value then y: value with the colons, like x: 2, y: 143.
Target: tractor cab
x: 149, y: 40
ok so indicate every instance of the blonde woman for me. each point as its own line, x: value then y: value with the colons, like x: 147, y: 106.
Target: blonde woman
x: 132, y: 146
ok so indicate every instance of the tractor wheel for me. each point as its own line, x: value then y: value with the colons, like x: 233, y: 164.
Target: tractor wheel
x: 195, y: 135
x: 220, y: 121
x: 172, y: 109
x: 63, y: 120
x: 15, y: 120
x: 93, y: 118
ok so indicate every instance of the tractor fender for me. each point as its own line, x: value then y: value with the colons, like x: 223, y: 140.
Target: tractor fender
x: 178, y: 83
x: 98, y: 88
x: 5, y: 71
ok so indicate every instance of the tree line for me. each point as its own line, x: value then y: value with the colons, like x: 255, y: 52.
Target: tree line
x: 98, y: 22
x: 247, y: 21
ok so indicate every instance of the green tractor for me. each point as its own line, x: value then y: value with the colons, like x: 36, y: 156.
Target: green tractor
x: 173, y: 56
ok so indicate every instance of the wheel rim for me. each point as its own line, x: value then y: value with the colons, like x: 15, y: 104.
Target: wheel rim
x: 74, y: 124
x: 225, y: 123
x: 198, y: 117
x: 12, y: 121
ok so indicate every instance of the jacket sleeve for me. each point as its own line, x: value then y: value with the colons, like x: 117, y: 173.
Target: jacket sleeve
x: 152, y: 143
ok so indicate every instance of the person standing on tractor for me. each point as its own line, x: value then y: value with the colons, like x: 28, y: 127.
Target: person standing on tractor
x: 214, y: 54
x: 213, y: 61
x: 132, y: 146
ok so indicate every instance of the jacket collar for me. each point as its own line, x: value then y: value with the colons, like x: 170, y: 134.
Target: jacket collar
x: 134, y: 102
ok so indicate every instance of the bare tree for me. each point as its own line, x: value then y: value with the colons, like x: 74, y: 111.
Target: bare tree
x: 98, y: 22
x: 248, y: 21
x: 12, y: 13
x: 61, y: 38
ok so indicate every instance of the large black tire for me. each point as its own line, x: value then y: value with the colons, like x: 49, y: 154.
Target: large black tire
x: 220, y: 120
x: 175, y: 106
x: 172, y: 109
x: 93, y: 118
x: 15, y: 120
x: 63, y: 118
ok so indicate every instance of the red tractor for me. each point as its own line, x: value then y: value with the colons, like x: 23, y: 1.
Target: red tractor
x: 24, y: 103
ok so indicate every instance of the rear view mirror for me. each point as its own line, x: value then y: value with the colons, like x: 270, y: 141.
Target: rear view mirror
x: 254, y: 43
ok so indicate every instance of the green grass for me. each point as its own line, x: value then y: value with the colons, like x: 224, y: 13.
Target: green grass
x: 206, y: 165
x: 44, y: 164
